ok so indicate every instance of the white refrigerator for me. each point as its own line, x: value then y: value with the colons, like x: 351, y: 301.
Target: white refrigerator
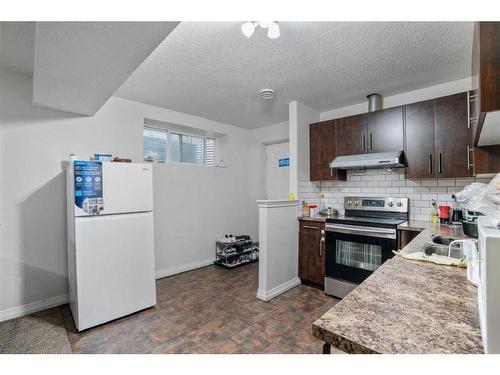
x: 111, y: 267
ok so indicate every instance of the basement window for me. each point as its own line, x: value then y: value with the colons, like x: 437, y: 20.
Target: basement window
x: 166, y: 145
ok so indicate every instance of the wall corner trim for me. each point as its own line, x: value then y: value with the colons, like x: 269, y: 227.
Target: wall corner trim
x: 276, y: 291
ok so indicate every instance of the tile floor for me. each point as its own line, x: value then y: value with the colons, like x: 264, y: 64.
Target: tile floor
x: 211, y: 310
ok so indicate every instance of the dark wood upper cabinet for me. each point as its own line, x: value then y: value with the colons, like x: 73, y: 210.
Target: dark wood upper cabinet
x: 452, y: 136
x: 385, y: 130
x: 485, y: 72
x: 322, y: 143
x: 351, y: 135
x: 419, y: 149
x: 487, y: 159
x: 438, y: 138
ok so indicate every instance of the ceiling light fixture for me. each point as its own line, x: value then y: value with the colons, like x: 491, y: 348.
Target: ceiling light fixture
x: 273, y: 30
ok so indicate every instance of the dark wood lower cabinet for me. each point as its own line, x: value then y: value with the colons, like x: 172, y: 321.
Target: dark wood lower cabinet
x: 312, y: 252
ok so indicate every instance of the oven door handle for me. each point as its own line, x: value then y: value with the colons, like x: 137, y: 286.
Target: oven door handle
x: 361, y: 231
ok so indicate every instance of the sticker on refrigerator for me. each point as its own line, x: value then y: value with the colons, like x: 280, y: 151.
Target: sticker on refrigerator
x: 88, y: 186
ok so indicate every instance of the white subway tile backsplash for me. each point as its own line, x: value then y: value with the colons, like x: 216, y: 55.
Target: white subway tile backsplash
x: 412, y: 183
x: 429, y: 183
x: 398, y: 183
x: 380, y: 183
x: 446, y: 182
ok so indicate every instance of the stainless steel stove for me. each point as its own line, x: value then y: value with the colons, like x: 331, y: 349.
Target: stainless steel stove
x: 361, y: 241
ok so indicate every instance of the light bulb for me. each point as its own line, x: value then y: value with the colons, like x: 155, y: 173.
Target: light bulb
x: 248, y: 28
x: 273, y: 31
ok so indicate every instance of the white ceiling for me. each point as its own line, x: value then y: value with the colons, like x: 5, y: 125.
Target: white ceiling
x: 17, y: 43
x: 79, y: 65
x: 211, y: 70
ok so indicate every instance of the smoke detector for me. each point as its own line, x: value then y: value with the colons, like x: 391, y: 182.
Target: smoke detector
x: 267, y: 94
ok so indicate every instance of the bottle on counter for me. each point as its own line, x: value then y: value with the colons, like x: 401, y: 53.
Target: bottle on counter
x: 434, y: 212
x: 306, y: 211
x: 321, y: 207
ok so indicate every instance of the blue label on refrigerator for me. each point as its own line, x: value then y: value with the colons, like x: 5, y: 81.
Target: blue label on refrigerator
x: 88, y: 180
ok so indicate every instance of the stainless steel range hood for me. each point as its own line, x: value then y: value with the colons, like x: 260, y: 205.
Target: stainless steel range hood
x: 392, y: 159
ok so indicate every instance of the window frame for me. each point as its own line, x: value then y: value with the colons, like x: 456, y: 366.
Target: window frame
x: 169, y: 132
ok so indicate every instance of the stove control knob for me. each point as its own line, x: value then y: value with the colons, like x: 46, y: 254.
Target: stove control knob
x: 349, y: 202
x: 356, y: 203
x: 399, y: 204
x: 390, y: 204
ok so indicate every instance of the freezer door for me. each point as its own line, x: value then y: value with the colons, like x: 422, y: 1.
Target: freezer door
x: 115, y: 269
x: 127, y: 187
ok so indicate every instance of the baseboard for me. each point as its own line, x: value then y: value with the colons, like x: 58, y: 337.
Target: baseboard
x: 184, y: 268
x: 276, y: 291
x: 16, y: 312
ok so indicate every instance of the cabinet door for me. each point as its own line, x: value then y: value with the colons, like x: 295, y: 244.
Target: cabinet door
x: 487, y: 159
x: 311, y: 253
x: 452, y: 136
x: 419, y: 145
x: 351, y: 135
x: 322, y: 151
x: 385, y: 130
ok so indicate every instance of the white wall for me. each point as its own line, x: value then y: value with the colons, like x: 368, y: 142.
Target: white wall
x: 275, y: 133
x: 193, y: 205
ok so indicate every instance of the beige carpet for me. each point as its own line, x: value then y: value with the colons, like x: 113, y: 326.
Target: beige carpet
x: 41, y: 333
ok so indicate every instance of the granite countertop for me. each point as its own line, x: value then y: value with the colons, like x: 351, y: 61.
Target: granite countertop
x: 314, y: 218
x: 407, y: 306
x: 414, y: 225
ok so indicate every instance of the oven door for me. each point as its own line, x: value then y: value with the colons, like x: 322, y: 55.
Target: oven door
x: 354, y: 252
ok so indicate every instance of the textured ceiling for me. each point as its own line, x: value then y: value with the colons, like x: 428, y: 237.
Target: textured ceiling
x: 79, y: 65
x: 211, y: 69
x: 17, y: 43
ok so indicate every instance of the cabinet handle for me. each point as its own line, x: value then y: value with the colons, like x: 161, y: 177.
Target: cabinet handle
x: 310, y: 227
x: 364, y: 143
x: 371, y: 142
x: 321, y: 246
x: 331, y: 172
x: 439, y: 164
x: 430, y: 163
x: 468, y: 110
x: 469, y: 164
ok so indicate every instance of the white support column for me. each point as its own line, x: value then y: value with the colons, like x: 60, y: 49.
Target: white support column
x: 299, y: 117
x: 278, y: 247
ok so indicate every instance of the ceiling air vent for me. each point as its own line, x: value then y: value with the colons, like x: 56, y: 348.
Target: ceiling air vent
x: 267, y: 94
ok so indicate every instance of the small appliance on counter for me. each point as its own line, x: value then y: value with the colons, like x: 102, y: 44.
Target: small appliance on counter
x: 444, y: 214
x: 489, y: 284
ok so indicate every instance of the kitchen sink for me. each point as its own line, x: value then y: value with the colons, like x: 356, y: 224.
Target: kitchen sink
x: 435, y: 249
x: 445, y: 241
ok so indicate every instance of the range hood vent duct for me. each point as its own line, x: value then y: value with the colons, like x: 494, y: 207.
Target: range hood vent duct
x: 371, y: 160
x: 374, y: 102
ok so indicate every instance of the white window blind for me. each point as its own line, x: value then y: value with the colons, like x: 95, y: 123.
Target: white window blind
x: 165, y: 145
x: 155, y: 143
x: 209, y: 151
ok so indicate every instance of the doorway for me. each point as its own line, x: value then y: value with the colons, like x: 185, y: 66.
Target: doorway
x: 277, y: 171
